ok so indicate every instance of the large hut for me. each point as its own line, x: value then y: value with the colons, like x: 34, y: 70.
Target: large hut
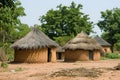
x: 82, y: 48
x: 35, y: 47
x: 105, y: 45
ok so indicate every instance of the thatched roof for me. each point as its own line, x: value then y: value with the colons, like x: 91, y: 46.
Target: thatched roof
x: 101, y: 41
x: 82, y: 41
x: 60, y: 49
x: 34, y: 40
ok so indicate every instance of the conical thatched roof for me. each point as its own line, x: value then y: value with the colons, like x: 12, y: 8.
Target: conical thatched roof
x: 82, y: 41
x: 101, y: 41
x: 34, y: 40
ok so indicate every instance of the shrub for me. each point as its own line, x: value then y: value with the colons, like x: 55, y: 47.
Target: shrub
x: 4, y: 64
x: 9, y: 51
x: 112, y: 55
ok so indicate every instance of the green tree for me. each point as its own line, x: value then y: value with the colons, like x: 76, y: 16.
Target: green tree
x: 9, y: 21
x: 8, y: 3
x: 110, y: 24
x: 19, y: 32
x: 65, y: 21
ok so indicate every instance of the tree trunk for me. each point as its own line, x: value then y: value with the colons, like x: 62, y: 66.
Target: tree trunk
x: 112, y: 48
x: 3, y: 39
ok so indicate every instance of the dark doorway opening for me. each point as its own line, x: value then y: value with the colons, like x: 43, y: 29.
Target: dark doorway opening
x: 59, y: 55
x: 105, y: 50
x: 90, y: 55
x: 49, y: 55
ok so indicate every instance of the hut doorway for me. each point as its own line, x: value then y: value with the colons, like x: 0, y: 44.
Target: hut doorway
x: 49, y: 55
x: 90, y: 55
x: 59, y: 55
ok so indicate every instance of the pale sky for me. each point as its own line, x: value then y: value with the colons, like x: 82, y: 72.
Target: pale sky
x: 36, y: 8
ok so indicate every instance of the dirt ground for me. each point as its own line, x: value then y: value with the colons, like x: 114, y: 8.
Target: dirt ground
x: 62, y: 71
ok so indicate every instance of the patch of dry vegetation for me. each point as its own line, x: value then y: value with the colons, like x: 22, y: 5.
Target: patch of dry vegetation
x: 117, y: 67
x: 78, y: 72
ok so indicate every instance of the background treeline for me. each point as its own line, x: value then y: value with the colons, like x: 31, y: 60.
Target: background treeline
x: 60, y: 25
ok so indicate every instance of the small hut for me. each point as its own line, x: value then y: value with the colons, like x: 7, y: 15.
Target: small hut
x: 105, y: 45
x: 35, y: 47
x: 60, y: 53
x: 82, y: 48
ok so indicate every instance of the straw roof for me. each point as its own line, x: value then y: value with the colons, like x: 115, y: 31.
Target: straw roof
x: 101, y: 41
x: 82, y: 41
x: 34, y: 40
x: 60, y: 49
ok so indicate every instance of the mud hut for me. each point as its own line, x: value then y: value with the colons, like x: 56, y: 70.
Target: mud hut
x: 35, y: 47
x: 60, y: 53
x: 82, y: 48
x: 106, y: 47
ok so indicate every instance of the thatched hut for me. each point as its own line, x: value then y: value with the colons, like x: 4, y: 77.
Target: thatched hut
x: 60, y: 53
x: 82, y: 48
x: 106, y: 47
x: 35, y: 47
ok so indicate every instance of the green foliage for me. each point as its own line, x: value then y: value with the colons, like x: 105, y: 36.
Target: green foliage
x: 20, y: 32
x: 11, y: 27
x: 117, y: 46
x: 9, y: 21
x: 66, y: 21
x: 62, y: 40
x: 8, y: 3
x: 9, y: 51
x: 110, y: 24
x: 112, y: 56
x: 4, y: 65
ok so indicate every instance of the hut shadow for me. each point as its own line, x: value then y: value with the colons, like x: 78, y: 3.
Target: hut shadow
x: 13, y: 62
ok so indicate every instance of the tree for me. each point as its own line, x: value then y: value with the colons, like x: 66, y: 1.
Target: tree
x: 8, y: 3
x: 9, y: 21
x: 65, y: 21
x: 19, y: 32
x: 110, y: 24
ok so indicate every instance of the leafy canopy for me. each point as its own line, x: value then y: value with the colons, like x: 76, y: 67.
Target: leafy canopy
x: 110, y: 24
x: 65, y: 22
x: 8, y: 3
x: 10, y: 23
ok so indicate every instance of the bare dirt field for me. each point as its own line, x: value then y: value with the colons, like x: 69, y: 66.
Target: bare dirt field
x: 83, y: 70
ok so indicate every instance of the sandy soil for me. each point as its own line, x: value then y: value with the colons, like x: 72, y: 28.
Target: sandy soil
x: 44, y: 70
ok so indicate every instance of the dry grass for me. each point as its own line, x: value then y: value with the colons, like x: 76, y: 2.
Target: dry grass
x: 78, y: 72
x: 87, y: 70
x: 117, y: 67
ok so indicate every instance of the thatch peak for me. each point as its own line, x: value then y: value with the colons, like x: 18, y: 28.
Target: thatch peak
x: 82, y: 41
x: 33, y: 40
x: 82, y: 34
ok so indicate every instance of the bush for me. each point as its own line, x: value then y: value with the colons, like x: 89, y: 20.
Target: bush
x: 4, y: 64
x: 112, y: 55
x: 9, y: 51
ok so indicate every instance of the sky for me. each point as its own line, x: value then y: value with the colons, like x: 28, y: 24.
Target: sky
x: 36, y: 8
